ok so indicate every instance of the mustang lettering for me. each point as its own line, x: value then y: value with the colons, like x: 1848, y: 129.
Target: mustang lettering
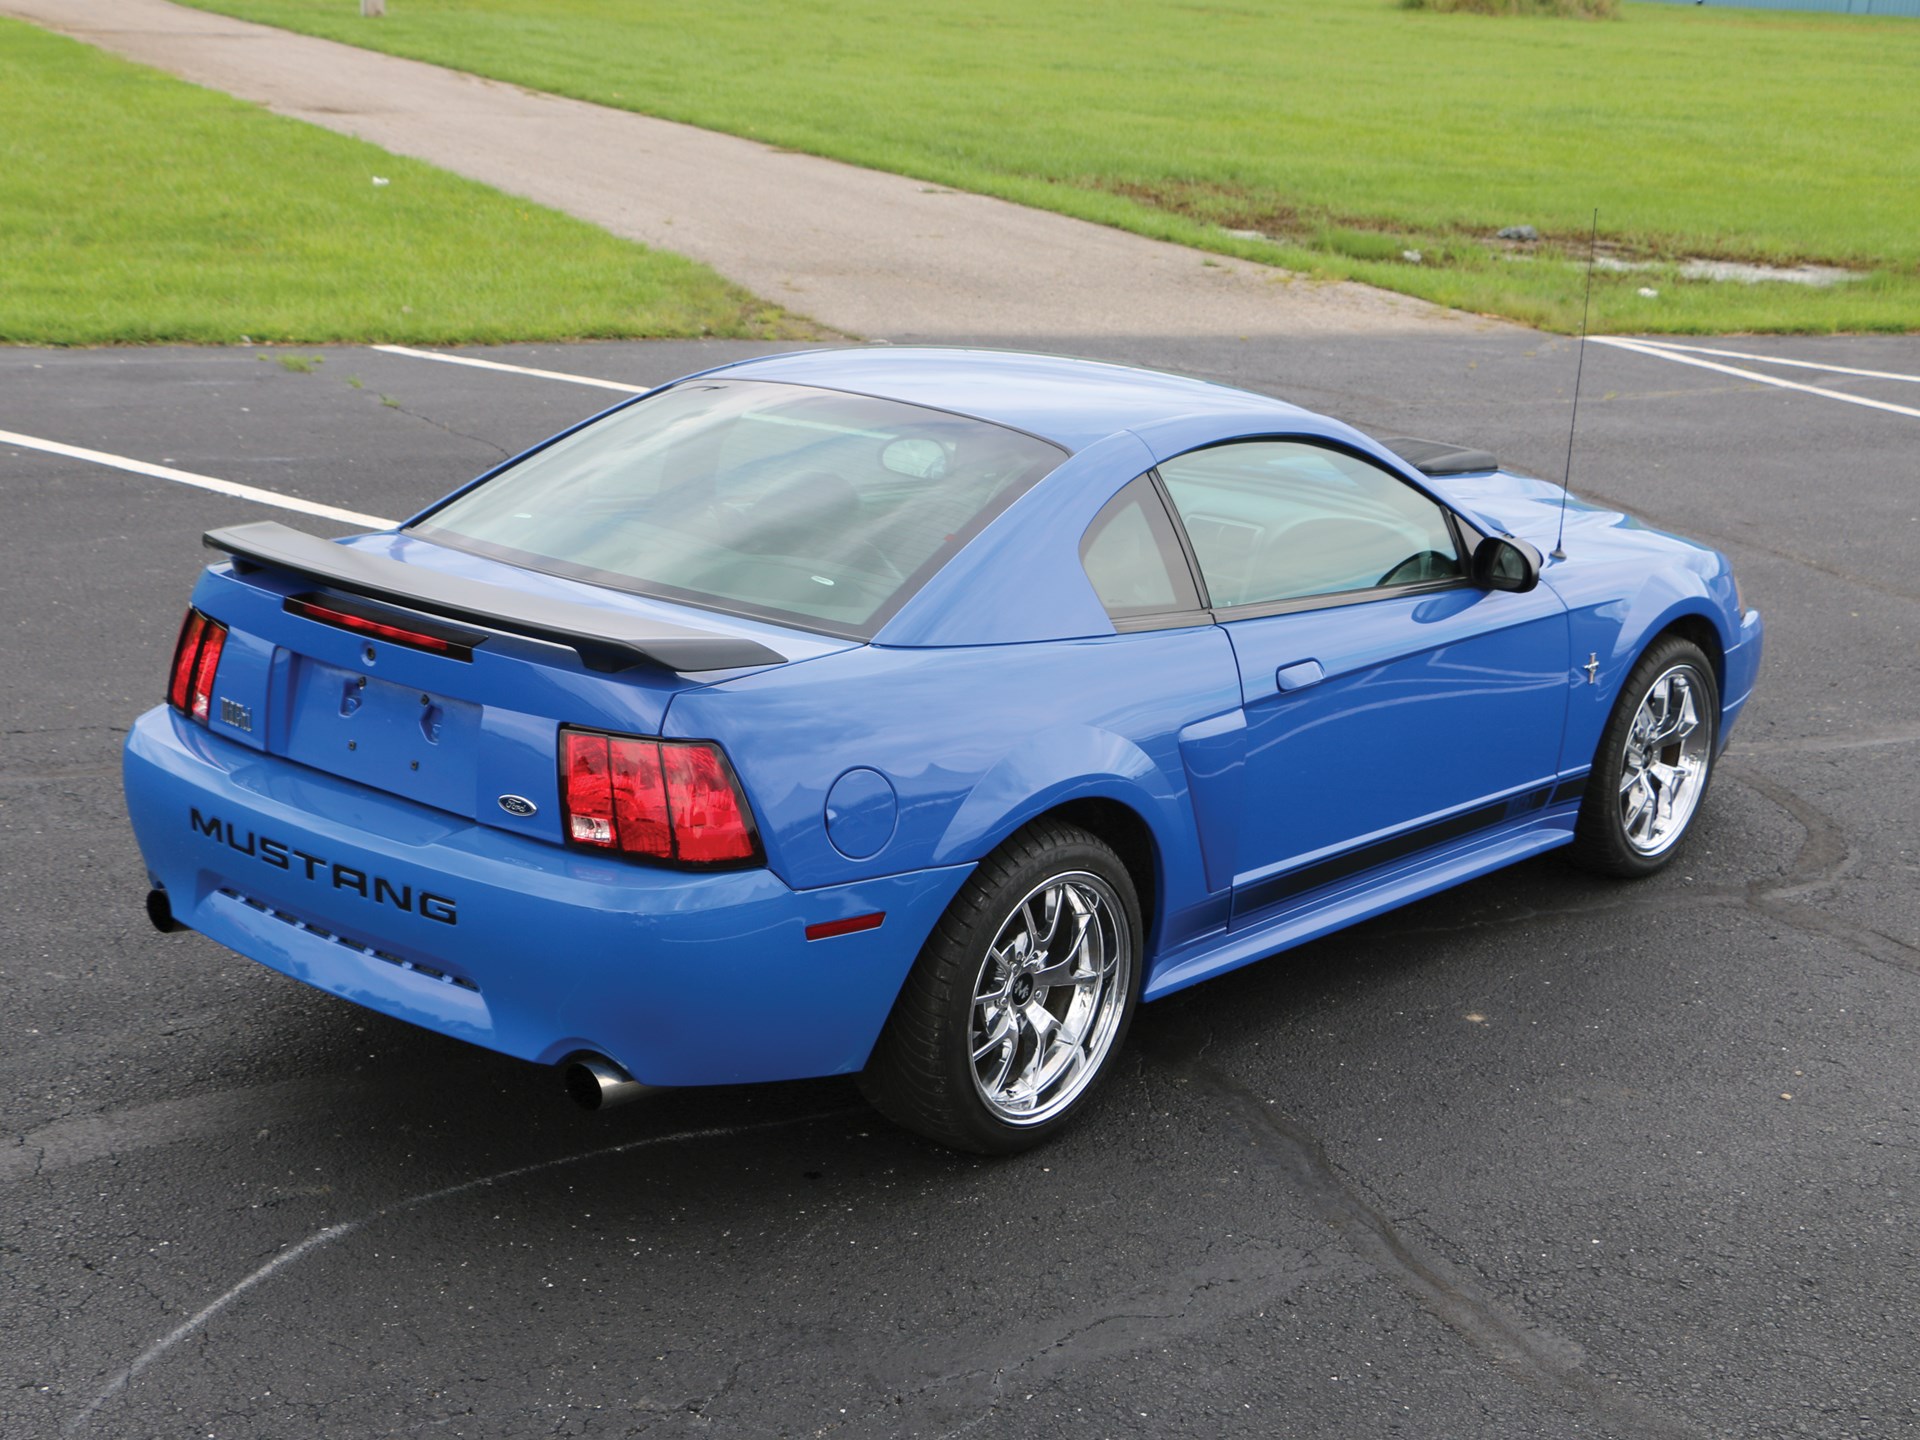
x: 283, y: 856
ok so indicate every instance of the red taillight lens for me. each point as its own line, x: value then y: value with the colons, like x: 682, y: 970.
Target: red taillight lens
x: 205, y: 668
x: 710, y: 822
x: 640, y: 799
x: 196, y: 659
x: 185, y: 651
x: 673, y: 800
x: 589, y: 791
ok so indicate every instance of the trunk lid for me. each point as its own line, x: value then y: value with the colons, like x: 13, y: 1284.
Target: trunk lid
x: 470, y: 727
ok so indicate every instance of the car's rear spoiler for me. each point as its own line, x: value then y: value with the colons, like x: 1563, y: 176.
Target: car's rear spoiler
x: 603, y: 639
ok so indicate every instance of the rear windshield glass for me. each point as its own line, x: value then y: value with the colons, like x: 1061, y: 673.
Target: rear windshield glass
x: 754, y: 497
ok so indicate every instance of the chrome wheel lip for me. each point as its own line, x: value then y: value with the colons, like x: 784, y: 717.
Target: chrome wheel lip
x: 1664, y: 761
x: 1048, y: 998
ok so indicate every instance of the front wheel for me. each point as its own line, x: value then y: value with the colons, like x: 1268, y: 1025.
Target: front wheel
x: 1655, y: 758
x: 1018, y: 1004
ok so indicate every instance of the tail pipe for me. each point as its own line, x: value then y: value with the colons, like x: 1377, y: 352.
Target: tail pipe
x: 160, y: 912
x: 596, y: 1083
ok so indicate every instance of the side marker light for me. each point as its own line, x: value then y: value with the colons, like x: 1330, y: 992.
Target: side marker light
x: 827, y: 929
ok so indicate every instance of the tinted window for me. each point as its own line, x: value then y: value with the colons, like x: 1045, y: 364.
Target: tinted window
x: 1284, y: 520
x: 1133, y: 557
x: 754, y: 497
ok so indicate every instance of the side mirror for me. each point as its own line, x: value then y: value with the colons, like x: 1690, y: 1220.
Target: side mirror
x: 1502, y: 564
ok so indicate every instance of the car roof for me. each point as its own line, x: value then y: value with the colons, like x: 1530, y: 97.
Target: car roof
x: 1073, y: 403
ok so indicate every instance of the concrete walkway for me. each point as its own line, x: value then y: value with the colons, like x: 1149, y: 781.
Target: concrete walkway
x: 862, y: 252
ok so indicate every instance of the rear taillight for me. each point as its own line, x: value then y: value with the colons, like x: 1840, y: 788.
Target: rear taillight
x: 672, y: 800
x: 196, y: 659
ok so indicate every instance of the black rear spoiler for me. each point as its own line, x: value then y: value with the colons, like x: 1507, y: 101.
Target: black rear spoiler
x: 604, y: 640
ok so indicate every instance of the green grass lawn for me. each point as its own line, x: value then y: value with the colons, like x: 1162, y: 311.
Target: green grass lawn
x: 1351, y: 131
x: 134, y: 207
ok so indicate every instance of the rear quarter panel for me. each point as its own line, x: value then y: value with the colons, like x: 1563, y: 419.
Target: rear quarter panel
x: 975, y: 742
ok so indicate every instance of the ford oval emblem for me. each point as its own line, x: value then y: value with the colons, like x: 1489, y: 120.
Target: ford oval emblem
x: 517, y: 805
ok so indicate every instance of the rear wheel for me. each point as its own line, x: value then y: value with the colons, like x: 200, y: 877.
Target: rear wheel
x: 1019, y: 1002
x: 1655, y: 758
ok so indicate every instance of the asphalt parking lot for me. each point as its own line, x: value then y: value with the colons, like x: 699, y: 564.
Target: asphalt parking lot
x: 1544, y: 1156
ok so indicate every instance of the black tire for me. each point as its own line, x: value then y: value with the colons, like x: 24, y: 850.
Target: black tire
x: 923, y: 1074
x: 1616, y: 833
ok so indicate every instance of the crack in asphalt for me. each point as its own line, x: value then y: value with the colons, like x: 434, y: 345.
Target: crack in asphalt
x: 1523, y: 1350
x: 54, y: 777
x: 82, y: 1139
x: 63, y: 730
x: 390, y: 403
x: 1822, y: 744
x: 1862, y: 939
x: 696, y: 1407
x: 1824, y: 858
x: 1045, y: 1355
x: 197, y: 1322
x: 1825, y: 852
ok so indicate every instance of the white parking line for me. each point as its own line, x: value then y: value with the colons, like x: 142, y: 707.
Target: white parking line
x: 1780, y: 360
x: 512, y: 369
x: 199, y: 482
x: 1641, y: 348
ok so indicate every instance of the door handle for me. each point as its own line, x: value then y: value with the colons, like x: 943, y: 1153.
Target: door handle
x: 1299, y: 676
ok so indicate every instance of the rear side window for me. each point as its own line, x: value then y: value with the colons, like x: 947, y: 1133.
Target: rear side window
x: 807, y: 506
x: 1134, y: 560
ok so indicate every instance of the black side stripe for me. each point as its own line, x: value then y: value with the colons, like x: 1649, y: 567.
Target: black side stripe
x: 1569, y: 790
x: 1276, y: 888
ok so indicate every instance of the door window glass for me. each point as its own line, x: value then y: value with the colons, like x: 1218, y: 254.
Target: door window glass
x: 1274, y: 520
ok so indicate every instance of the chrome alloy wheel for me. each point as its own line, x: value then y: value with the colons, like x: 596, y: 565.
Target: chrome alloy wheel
x: 1664, y: 768
x: 1049, y: 998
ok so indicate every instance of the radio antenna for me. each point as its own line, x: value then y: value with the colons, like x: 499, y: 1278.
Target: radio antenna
x: 1566, y: 480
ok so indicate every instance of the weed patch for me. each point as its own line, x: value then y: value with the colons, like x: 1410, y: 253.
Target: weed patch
x: 1556, y: 9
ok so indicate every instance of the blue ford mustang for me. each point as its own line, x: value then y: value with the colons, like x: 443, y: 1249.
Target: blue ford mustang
x: 916, y: 714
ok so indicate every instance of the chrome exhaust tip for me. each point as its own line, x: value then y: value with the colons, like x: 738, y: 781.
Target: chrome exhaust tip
x: 596, y: 1083
x: 160, y: 912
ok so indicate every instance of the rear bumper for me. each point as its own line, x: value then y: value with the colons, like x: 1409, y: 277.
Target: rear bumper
x: 511, y: 943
